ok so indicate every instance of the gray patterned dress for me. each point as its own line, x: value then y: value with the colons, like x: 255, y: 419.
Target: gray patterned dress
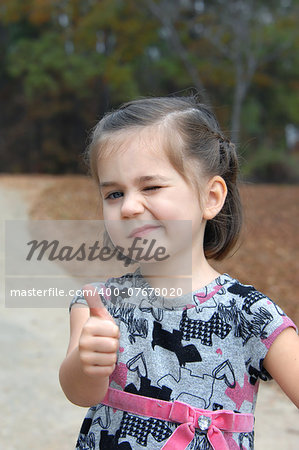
x: 205, y: 348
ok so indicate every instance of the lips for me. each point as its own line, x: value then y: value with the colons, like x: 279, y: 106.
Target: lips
x: 142, y: 231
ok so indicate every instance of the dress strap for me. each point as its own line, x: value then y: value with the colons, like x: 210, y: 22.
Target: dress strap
x: 214, y: 422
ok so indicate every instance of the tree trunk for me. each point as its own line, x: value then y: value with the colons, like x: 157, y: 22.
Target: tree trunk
x: 175, y: 42
x: 240, y: 91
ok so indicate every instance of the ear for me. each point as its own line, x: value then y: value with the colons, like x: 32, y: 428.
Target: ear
x: 215, y: 197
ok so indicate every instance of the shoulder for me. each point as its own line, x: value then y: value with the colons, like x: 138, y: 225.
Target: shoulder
x: 265, y: 318
x: 248, y: 297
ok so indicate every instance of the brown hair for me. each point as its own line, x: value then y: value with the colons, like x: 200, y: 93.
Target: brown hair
x: 195, y: 145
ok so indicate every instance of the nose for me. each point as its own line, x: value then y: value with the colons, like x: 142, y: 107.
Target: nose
x: 132, y: 205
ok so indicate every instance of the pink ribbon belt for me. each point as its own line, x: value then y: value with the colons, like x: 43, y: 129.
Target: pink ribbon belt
x: 190, y: 418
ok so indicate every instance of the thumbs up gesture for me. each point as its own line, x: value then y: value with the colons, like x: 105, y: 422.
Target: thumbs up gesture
x: 99, y: 340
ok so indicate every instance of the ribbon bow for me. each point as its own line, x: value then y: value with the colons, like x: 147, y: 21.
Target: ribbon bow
x: 210, y: 421
x: 187, y: 416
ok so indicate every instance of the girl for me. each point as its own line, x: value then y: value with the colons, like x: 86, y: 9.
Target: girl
x: 180, y: 369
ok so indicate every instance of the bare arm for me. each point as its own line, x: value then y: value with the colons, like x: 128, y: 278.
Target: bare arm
x: 91, y: 355
x: 282, y: 362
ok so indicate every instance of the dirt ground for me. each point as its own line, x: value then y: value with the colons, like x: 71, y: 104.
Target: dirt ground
x: 34, y: 412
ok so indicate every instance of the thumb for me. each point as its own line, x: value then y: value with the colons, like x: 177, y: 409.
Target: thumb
x: 96, y: 307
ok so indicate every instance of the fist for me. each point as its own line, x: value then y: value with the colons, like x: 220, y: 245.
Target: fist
x: 99, y: 340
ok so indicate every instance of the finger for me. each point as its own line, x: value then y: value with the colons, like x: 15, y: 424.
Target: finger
x: 106, y: 345
x: 98, y: 327
x: 96, y: 307
x: 100, y: 371
x: 101, y: 360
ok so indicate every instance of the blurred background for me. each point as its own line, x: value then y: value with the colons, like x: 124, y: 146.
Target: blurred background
x: 64, y: 63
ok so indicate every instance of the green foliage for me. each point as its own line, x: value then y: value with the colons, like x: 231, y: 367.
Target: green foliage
x: 251, y: 117
x: 271, y: 165
x: 63, y: 64
x: 37, y: 62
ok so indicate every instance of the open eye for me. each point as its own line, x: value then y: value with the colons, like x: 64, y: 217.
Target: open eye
x: 114, y: 195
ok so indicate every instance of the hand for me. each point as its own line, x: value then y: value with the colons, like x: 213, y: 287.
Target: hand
x: 99, y: 340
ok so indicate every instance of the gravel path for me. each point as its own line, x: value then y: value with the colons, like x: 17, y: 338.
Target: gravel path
x: 34, y: 412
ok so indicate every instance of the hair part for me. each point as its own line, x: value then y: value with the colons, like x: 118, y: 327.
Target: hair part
x: 194, y: 144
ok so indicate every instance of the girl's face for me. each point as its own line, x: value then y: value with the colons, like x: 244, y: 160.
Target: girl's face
x: 145, y: 197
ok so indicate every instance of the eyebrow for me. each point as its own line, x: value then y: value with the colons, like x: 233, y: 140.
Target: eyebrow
x: 155, y: 178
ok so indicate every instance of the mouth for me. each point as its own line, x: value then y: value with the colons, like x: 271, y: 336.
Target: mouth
x: 142, y: 231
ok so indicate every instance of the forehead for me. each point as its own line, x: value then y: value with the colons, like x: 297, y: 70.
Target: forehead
x: 142, y: 148
x: 147, y: 139
x: 132, y: 157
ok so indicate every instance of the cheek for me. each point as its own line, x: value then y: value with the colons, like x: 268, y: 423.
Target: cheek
x: 118, y: 233
x: 109, y: 212
x: 171, y: 210
x: 112, y: 225
x: 166, y: 207
x: 115, y: 228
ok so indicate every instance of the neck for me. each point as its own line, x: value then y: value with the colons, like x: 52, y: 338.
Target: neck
x: 187, y: 275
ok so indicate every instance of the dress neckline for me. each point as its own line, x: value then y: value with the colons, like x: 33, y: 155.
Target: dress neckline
x: 190, y: 300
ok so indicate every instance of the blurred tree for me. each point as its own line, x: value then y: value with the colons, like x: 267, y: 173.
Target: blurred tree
x: 250, y: 34
x: 71, y: 60
x: 244, y: 35
x: 171, y: 20
x: 63, y: 64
